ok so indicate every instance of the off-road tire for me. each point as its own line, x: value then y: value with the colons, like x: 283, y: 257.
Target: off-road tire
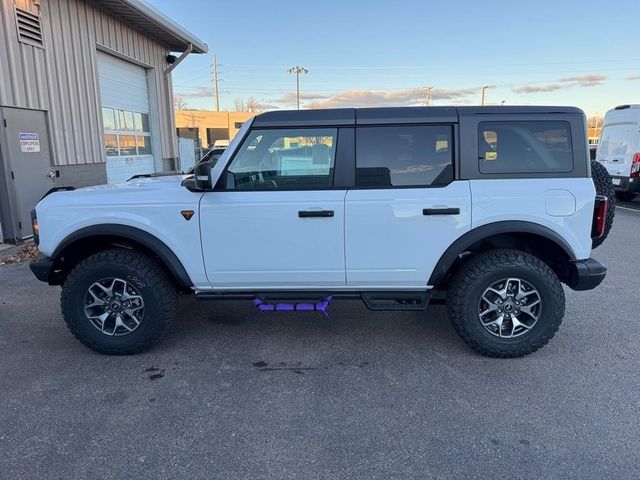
x: 153, y: 283
x: 625, y: 196
x: 604, y: 186
x: 482, y: 270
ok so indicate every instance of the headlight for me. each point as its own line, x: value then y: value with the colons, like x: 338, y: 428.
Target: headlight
x: 36, y: 227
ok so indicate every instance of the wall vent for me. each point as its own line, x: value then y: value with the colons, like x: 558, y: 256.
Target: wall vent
x: 29, y: 28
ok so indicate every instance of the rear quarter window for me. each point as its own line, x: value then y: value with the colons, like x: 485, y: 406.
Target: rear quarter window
x: 525, y: 147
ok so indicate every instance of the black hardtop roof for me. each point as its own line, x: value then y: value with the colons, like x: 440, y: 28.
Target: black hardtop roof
x: 392, y: 115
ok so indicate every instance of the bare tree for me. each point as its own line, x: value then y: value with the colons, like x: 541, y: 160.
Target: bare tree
x: 239, y: 105
x: 315, y: 105
x: 248, y: 105
x: 595, y: 121
x: 179, y: 103
x: 253, y: 105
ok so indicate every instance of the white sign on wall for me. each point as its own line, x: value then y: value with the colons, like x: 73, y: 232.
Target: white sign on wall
x: 29, y: 142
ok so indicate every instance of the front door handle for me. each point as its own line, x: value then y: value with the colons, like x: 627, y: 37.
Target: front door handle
x: 440, y: 211
x: 315, y: 213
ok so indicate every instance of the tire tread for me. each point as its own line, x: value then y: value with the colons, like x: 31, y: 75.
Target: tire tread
x: 145, y: 267
x: 486, y: 263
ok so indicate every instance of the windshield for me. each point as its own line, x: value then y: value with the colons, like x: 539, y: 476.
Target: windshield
x: 617, y: 141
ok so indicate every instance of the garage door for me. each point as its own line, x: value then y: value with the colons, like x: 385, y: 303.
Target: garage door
x: 124, y: 96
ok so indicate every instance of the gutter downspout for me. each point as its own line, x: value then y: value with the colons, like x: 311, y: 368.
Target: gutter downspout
x: 169, y: 86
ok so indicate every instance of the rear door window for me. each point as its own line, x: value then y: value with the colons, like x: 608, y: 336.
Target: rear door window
x: 525, y: 147
x: 404, y: 156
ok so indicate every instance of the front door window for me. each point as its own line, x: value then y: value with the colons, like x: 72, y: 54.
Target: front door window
x: 288, y: 159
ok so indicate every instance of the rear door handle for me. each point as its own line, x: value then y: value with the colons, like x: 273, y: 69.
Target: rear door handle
x: 440, y: 211
x: 315, y: 213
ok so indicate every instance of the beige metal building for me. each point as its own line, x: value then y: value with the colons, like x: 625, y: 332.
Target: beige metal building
x: 85, y: 97
x: 207, y: 126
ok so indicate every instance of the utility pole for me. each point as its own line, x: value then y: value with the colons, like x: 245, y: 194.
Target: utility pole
x: 215, y: 82
x: 482, y: 97
x: 298, y: 70
x: 427, y: 96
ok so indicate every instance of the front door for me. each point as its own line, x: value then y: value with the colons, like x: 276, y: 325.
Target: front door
x: 29, y: 158
x: 406, y: 208
x: 274, y: 219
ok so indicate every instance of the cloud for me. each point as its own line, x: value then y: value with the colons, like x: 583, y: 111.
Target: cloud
x: 290, y: 97
x: 551, y: 87
x: 591, y: 80
x: 199, y: 92
x: 585, y: 80
x: 377, y: 98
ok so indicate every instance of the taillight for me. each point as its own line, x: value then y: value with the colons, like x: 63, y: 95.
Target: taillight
x: 599, y: 216
x: 635, y: 165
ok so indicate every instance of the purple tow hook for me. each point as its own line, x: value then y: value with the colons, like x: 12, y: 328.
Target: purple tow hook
x: 293, y: 307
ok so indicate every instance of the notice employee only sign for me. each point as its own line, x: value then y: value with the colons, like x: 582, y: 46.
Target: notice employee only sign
x: 29, y: 142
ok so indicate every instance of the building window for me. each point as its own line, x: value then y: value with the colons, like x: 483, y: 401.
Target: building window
x: 126, y: 133
x: 238, y: 125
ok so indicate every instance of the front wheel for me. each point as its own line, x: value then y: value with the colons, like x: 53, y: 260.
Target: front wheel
x: 505, y: 303
x: 118, y: 302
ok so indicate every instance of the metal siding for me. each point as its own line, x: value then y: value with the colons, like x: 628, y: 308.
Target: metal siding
x: 62, y: 77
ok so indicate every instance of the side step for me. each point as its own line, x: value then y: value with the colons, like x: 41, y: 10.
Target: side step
x: 298, y: 301
x: 294, y: 305
x: 396, y: 300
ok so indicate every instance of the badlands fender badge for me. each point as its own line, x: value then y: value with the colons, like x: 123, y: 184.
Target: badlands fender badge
x: 187, y: 214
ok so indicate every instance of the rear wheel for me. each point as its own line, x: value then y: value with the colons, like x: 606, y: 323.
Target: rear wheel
x: 505, y: 303
x: 604, y: 186
x: 118, y: 302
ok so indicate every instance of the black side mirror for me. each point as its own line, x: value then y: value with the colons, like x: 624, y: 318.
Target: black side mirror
x: 202, y: 176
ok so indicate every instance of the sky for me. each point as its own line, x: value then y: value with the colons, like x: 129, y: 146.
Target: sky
x: 384, y: 53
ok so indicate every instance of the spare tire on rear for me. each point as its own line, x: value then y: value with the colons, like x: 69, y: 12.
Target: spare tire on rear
x: 604, y: 186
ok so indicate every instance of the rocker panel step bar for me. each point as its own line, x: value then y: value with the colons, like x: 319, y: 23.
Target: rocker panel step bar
x: 374, y: 300
x: 396, y: 300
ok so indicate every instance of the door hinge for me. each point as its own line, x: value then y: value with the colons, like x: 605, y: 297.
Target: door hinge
x: 4, y: 121
x: 20, y: 225
x: 12, y: 176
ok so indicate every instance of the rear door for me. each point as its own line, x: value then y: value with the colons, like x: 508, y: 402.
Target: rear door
x: 618, y: 143
x: 406, y: 208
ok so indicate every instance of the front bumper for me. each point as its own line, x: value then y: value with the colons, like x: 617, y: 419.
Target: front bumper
x: 44, y: 270
x: 626, y: 184
x: 586, y: 274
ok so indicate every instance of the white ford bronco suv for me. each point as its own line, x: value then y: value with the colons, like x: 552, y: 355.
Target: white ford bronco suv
x: 489, y: 209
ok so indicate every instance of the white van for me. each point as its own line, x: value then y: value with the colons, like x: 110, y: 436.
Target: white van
x: 619, y: 149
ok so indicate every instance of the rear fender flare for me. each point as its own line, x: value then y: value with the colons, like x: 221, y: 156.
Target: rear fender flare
x: 463, y: 243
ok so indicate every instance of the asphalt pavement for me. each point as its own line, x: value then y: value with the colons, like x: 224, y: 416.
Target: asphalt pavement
x: 235, y: 394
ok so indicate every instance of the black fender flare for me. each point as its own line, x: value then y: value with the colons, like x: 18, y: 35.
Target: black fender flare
x: 148, y: 240
x: 485, y: 231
